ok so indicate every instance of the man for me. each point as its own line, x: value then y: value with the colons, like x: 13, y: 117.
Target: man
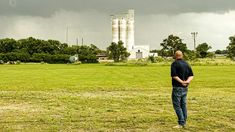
x: 182, y: 75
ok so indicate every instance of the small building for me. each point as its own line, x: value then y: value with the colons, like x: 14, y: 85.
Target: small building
x: 139, y: 52
x: 102, y: 56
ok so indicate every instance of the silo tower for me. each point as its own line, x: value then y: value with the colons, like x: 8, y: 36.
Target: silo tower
x: 115, y: 29
x: 130, y: 30
x: 123, y: 30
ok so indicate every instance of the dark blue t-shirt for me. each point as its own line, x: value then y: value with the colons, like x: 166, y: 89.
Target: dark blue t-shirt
x: 181, y: 69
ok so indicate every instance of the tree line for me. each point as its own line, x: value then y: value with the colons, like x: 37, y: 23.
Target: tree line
x: 50, y: 51
x: 173, y: 43
x: 53, y: 51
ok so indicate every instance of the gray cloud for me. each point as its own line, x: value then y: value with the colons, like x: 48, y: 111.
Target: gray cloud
x: 90, y: 19
x: 48, y: 7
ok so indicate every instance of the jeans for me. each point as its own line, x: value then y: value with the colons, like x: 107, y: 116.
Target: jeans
x: 179, y: 95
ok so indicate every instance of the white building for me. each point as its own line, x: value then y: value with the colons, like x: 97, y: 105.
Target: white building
x: 123, y: 29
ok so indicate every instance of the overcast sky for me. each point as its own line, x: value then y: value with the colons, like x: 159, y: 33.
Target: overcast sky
x: 214, y: 20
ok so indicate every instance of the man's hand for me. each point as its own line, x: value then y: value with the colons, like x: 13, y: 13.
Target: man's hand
x: 185, y: 83
x: 188, y: 82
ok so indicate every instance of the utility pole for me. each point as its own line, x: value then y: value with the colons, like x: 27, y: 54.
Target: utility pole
x: 77, y: 41
x: 194, y: 34
x: 69, y: 28
x: 82, y: 40
x: 77, y: 46
x: 67, y: 34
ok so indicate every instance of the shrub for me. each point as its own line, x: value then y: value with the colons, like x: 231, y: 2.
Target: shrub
x: 152, y: 59
x: 77, y: 63
x: 39, y: 57
x: 3, y: 57
x: 89, y: 58
x: 141, y: 63
x: 115, y: 64
x: 17, y: 62
x: 190, y: 55
x: 60, y: 58
x: 1, y: 62
x: 159, y: 59
x: 210, y: 55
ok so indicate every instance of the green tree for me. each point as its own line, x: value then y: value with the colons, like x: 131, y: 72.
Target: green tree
x: 218, y: 52
x: 190, y: 55
x: 221, y: 52
x: 231, y: 47
x: 117, y: 52
x: 172, y: 44
x: 202, y: 50
x: 87, y: 54
x: 8, y: 45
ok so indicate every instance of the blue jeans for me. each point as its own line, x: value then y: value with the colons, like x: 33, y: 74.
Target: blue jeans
x: 179, y: 95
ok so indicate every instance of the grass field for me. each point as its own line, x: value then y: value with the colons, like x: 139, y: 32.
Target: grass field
x: 111, y: 98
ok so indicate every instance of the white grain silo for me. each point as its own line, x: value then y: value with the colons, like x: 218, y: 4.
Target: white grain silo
x: 115, y: 29
x: 122, y: 30
x: 130, y: 30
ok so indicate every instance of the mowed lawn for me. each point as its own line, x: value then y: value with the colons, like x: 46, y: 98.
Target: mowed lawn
x: 94, y: 97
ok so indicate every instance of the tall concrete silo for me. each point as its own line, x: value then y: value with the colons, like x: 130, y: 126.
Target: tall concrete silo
x: 115, y: 29
x: 130, y: 30
x: 123, y: 30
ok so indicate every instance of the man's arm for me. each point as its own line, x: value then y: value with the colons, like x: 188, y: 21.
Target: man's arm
x: 189, y: 80
x: 184, y: 83
x: 180, y: 81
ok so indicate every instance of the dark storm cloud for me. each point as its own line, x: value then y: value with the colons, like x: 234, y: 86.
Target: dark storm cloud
x: 90, y: 19
x: 48, y: 7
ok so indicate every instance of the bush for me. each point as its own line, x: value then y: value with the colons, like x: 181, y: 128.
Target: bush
x: 42, y: 57
x: 165, y: 59
x: 14, y: 56
x: 39, y: 57
x: 60, y: 58
x: 190, y: 55
x: 88, y: 58
x: 17, y: 62
x: 210, y: 55
x: 3, y: 57
x: 115, y: 64
x: 77, y: 63
x: 152, y: 59
x: 141, y: 63
x: 1, y: 62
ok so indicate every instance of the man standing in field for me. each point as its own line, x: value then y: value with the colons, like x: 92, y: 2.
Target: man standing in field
x: 182, y: 75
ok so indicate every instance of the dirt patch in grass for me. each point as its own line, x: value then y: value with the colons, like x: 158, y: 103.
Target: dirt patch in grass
x: 19, y: 107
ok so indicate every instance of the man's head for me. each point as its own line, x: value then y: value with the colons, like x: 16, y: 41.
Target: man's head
x: 178, y: 55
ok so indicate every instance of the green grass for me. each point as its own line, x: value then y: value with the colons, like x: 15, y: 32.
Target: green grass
x: 111, y: 98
